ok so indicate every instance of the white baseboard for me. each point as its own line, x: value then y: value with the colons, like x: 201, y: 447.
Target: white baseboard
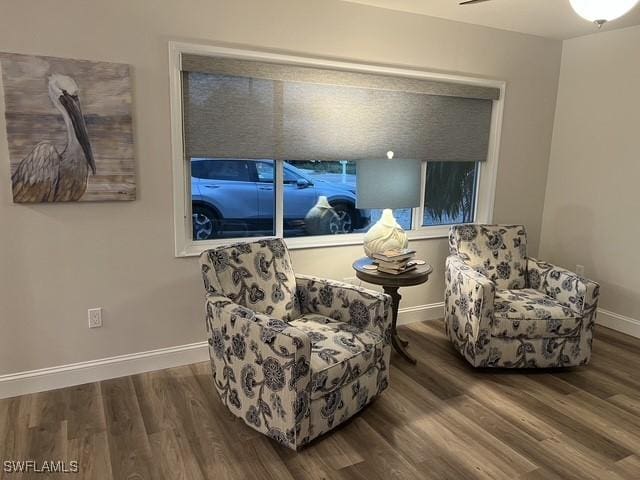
x: 419, y: 313
x: 606, y: 318
x: 102, y: 369
x: 621, y: 323
x: 33, y: 381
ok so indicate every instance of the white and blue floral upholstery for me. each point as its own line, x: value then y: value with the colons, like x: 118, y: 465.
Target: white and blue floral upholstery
x: 258, y: 276
x: 339, y: 354
x: 528, y: 312
x: 296, y: 363
x: 503, y: 309
x: 499, y: 252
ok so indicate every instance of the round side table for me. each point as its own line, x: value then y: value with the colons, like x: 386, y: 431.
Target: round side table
x: 390, y: 285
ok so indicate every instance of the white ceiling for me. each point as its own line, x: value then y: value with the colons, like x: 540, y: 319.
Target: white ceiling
x: 546, y: 18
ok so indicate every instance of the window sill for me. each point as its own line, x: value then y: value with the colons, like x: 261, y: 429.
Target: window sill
x: 194, y: 249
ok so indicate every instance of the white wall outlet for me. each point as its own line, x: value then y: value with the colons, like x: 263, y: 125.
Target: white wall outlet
x: 580, y: 270
x: 95, y: 317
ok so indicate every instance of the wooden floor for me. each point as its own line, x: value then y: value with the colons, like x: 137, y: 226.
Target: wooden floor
x: 439, y: 419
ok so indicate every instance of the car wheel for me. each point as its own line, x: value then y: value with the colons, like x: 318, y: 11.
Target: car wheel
x: 344, y: 219
x: 206, y: 223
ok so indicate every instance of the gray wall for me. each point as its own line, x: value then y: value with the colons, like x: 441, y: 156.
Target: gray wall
x: 592, y: 203
x: 58, y: 260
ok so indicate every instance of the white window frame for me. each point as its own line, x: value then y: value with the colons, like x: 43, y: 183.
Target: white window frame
x: 184, y: 244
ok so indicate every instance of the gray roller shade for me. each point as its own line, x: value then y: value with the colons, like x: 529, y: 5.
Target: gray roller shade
x: 235, y: 67
x: 242, y: 109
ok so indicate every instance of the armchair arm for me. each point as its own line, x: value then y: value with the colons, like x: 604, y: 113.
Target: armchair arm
x: 261, y: 369
x: 362, y: 308
x: 469, y: 298
x: 568, y: 288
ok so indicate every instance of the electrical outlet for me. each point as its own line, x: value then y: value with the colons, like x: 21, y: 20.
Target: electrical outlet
x: 95, y: 317
x: 580, y: 270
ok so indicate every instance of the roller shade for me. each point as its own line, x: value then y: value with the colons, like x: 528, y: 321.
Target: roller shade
x: 244, y: 109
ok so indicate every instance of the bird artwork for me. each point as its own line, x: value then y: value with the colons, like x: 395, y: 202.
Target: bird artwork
x: 47, y: 174
x: 69, y: 129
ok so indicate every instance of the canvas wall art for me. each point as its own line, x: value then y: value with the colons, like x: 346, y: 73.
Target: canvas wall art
x: 69, y: 129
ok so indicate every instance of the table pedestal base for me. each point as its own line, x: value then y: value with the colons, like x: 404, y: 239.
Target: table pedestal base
x: 398, y: 343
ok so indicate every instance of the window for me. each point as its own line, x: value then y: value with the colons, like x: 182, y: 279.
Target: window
x: 450, y: 193
x: 320, y: 199
x: 229, y: 199
x: 233, y: 113
x: 336, y: 180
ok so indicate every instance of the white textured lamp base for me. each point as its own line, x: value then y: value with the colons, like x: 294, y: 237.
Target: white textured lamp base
x: 385, y: 235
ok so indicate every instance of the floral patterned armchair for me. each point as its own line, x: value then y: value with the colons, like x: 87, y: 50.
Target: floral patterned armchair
x: 503, y: 309
x: 292, y: 355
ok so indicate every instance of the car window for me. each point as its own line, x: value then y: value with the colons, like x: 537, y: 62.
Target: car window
x: 234, y: 170
x: 265, y: 173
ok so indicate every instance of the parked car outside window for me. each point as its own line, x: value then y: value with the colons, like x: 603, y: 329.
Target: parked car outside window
x: 236, y: 198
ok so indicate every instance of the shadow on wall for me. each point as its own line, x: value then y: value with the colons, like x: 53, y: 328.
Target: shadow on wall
x: 569, y: 240
x: 619, y: 299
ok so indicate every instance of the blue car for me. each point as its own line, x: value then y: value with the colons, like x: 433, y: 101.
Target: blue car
x: 235, y: 198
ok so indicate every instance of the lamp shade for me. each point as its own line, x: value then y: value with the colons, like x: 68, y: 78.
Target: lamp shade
x: 388, y: 183
x: 598, y: 10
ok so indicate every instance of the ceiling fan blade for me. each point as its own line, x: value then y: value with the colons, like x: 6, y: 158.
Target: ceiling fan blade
x: 470, y: 2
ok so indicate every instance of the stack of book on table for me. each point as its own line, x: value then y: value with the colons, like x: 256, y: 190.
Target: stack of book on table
x: 395, y: 262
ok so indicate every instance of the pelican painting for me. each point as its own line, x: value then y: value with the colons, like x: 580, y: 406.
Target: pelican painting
x: 49, y: 175
x: 69, y: 129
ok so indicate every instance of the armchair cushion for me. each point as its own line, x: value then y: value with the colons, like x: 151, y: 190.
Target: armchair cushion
x: 339, y: 353
x: 255, y: 275
x: 532, y: 314
x: 499, y: 252
x: 365, y: 310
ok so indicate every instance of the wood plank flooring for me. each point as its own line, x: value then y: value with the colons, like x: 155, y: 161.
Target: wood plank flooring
x: 439, y: 419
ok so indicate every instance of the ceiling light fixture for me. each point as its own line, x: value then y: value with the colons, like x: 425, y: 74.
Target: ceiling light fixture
x: 602, y: 11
